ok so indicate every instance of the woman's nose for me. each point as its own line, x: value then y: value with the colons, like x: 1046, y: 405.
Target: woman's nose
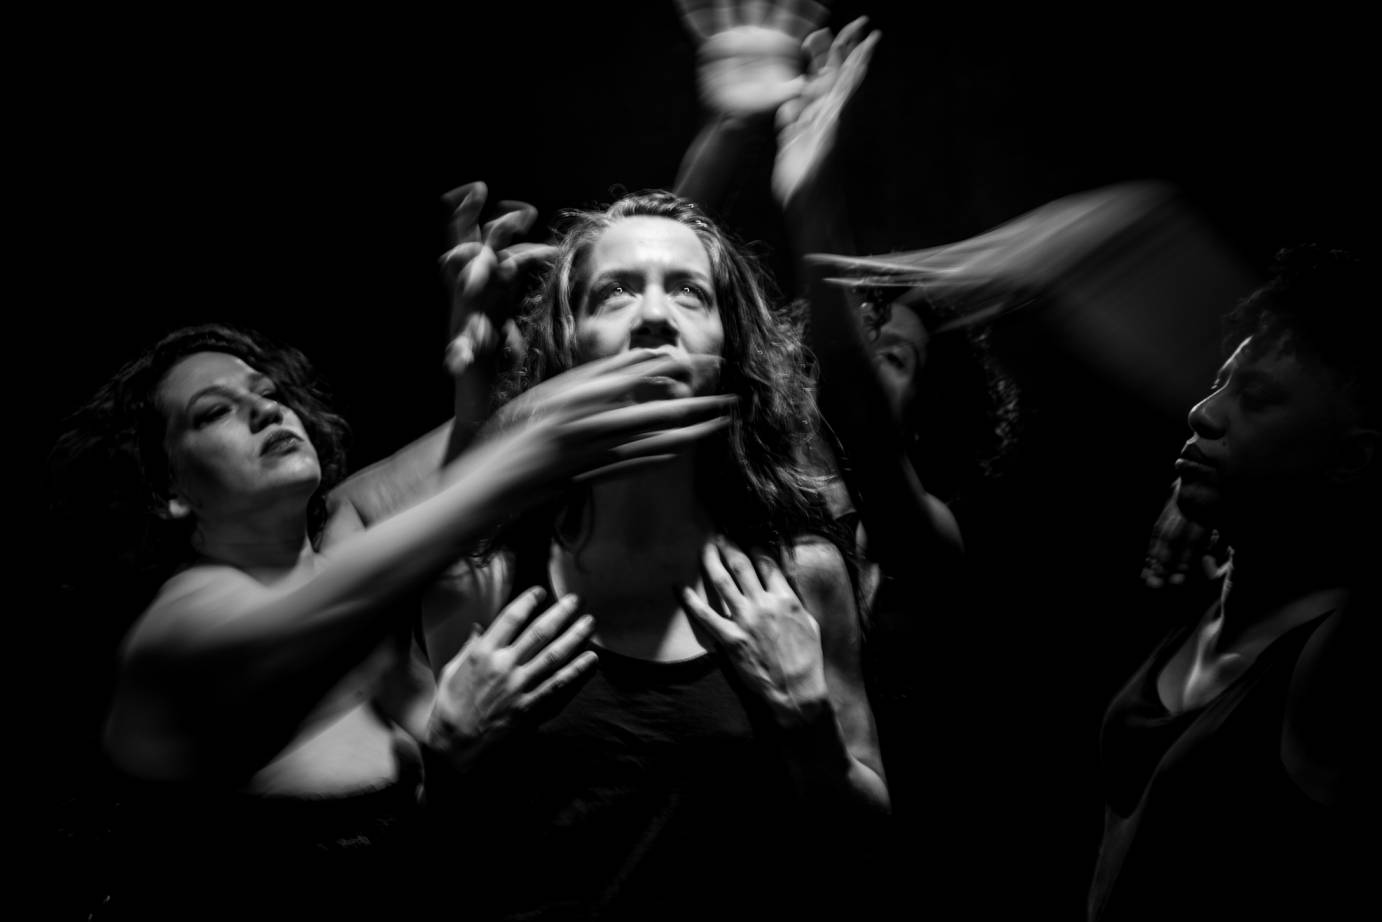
x: 654, y: 326
x: 264, y: 412
x: 1206, y: 418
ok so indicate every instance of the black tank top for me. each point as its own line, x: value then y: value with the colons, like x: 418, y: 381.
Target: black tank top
x: 655, y: 792
x: 1201, y: 819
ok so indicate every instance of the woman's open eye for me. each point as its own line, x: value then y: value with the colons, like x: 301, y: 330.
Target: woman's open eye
x: 610, y: 292
x: 694, y: 293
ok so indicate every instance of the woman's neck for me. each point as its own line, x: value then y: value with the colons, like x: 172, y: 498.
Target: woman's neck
x: 1266, y: 577
x: 652, y: 509
x: 265, y: 546
x: 639, y: 542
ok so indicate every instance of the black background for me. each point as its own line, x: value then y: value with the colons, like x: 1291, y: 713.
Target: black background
x: 285, y: 172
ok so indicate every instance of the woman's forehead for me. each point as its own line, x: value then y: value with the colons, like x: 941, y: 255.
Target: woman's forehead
x: 204, y: 369
x: 647, y: 239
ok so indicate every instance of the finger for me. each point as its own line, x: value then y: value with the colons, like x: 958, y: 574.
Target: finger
x: 721, y: 629
x: 846, y: 40
x: 1153, y: 568
x: 525, y: 256
x: 725, y: 16
x: 797, y: 17
x: 565, y: 677
x: 755, y: 13
x: 543, y: 629
x: 771, y: 575
x: 601, y: 367
x: 1190, y: 547
x: 478, y: 337
x: 669, y: 441
x: 856, y: 62
x: 547, y: 660
x: 604, y: 430
x: 698, y: 17
x: 514, y: 343
x: 653, y: 378
x: 466, y: 202
x: 741, y: 568
x: 473, y: 291
x: 856, y: 65
x: 517, y: 218
x: 619, y: 468
x: 651, y: 450
x: 817, y: 48
x: 454, y: 260
x: 789, y: 111
x: 720, y: 579
x: 505, y: 627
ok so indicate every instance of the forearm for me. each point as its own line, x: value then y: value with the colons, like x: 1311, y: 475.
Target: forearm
x: 420, y: 469
x: 238, y: 632
x: 225, y: 671
x: 824, y: 770
x: 725, y: 147
x: 471, y: 403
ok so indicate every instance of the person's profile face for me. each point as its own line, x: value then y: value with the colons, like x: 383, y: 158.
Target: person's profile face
x: 1269, y: 432
x: 230, y: 443
x: 646, y: 283
x: 899, y: 355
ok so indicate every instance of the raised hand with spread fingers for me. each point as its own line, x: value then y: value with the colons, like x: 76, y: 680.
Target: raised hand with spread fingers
x: 808, y: 123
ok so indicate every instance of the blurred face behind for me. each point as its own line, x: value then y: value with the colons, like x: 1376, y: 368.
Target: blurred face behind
x: 231, y: 445
x: 646, y: 283
x: 1265, y: 441
x: 899, y: 354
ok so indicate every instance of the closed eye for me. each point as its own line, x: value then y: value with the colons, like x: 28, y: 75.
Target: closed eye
x: 210, y: 414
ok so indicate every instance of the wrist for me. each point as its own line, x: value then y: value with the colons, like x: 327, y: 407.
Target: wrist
x: 812, y: 738
x: 447, y: 736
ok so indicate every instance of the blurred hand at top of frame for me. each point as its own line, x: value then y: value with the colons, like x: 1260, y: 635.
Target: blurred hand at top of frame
x: 808, y: 123
x: 750, y: 58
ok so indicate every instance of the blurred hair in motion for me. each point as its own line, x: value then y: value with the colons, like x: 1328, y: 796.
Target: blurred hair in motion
x: 1129, y: 275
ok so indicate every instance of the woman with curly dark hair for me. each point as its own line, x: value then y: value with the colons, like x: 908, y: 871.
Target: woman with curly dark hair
x: 266, y: 705
x: 1233, y: 759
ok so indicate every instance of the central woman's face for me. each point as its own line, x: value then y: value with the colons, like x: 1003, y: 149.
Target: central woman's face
x: 230, y: 444
x: 647, y: 284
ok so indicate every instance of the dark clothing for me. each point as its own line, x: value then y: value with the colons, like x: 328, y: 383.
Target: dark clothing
x: 195, y: 854
x: 1201, y: 818
x: 657, y: 791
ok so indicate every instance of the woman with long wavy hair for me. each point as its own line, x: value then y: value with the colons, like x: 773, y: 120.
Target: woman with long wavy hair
x: 725, y: 706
